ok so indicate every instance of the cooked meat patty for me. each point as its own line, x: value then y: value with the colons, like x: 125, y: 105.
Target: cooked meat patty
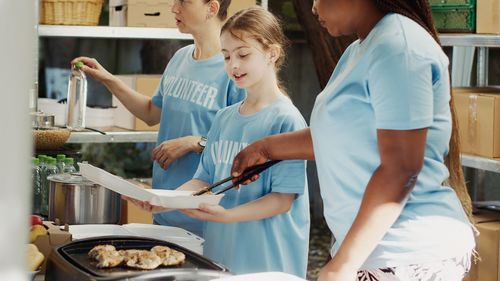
x: 170, y: 257
x: 161, y: 251
x: 94, y: 252
x: 175, y: 258
x: 109, y: 259
x: 141, y: 259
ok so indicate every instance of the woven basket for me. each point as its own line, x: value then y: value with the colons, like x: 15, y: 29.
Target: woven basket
x: 70, y: 12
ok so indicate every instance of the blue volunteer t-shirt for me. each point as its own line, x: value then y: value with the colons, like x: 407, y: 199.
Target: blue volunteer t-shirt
x: 189, y: 95
x: 395, y: 79
x: 278, y: 243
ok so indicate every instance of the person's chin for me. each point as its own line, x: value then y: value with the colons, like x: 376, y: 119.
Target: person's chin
x: 243, y: 83
x: 182, y: 29
x: 334, y: 32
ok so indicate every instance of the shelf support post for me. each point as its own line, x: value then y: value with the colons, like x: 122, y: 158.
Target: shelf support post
x: 482, y: 67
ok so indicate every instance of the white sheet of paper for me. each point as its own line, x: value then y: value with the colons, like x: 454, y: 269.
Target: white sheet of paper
x: 174, y: 199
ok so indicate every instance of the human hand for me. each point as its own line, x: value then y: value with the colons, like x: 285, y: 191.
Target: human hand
x: 252, y: 155
x: 170, y: 150
x: 144, y: 205
x: 206, y: 212
x: 332, y: 273
x: 92, y: 68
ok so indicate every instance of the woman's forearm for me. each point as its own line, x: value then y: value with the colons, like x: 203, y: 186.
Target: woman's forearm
x: 137, y: 103
x: 193, y: 185
x: 267, y: 206
x: 293, y: 145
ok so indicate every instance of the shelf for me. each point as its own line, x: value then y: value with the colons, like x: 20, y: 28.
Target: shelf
x: 481, y: 163
x: 470, y: 40
x: 115, y: 135
x: 111, y: 32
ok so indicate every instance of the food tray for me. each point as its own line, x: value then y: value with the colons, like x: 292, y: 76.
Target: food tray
x: 76, y: 254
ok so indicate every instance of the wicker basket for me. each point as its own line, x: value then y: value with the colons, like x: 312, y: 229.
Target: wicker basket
x: 70, y: 12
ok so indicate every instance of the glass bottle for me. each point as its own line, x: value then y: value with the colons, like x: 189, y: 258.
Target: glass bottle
x: 42, y: 159
x: 51, y: 170
x: 37, y: 185
x: 77, y: 99
x: 60, y: 163
x: 69, y: 166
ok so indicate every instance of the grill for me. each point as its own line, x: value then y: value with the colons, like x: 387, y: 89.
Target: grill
x: 71, y: 262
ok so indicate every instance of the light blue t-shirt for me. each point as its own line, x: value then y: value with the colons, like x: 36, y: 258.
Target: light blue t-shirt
x: 278, y: 243
x: 396, y: 79
x: 189, y: 95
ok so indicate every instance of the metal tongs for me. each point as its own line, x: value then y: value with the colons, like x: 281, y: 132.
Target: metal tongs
x: 247, y: 174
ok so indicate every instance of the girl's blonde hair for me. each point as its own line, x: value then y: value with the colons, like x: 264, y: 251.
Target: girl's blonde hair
x: 260, y: 25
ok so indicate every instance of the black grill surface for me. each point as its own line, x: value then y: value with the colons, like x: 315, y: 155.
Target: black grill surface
x: 76, y: 254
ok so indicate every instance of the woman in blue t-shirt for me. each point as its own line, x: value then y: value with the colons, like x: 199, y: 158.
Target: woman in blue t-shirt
x: 194, y: 86
x: 265, y: 225
x: 385, y: 144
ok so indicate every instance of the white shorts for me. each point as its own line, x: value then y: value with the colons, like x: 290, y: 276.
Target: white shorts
x: 453, y: 269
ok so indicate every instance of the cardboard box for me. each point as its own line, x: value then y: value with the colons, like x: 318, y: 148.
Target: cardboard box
x: 478, y: 115
x: 488, y: 16
x: 484, y: 270
x: 133, y: 214
x: 237, y: 5
x: 55, y: 237
x: 144, y: 84
x: 488, y: 247
x: 150, y: 13
x: 157, y: 13
x: 118, y: 12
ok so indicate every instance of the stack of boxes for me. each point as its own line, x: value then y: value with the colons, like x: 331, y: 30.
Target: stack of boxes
x: 486, y: 267
x: 478, y: 115
x: 488, y: 16
x: 143, y: 84
x: 154, y: 13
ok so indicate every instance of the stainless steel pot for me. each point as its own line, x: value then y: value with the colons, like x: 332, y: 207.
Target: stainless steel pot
x: 76, y: 200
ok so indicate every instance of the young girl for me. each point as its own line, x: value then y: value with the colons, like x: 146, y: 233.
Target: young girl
x: 385, y: 144
x: 263, y: 226
x: 193, y: 88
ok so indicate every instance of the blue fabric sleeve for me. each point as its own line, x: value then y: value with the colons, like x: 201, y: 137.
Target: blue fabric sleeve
x: 401, y: 92
x: 289, y: 176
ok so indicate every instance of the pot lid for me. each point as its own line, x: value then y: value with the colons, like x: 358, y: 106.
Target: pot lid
x: 73, y: 178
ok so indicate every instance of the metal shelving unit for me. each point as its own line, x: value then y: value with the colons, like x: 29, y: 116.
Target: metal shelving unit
x: 470, y: 40
x: 462, y: 43
x: 110, y: 32
x: 480, y: 163
x: 115, y: 135
x: 464, y: 47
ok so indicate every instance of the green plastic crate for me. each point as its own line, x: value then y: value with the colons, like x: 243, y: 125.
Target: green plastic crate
x: 451, y: 2
x: 455, y: 18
